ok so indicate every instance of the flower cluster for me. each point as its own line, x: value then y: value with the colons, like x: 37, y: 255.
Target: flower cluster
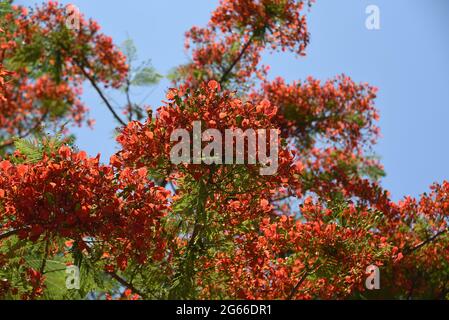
x: 205, y: 229
x: 338, y: 111
x: 149, y: 144
x: 50, y: 61
x: 229, y: 48
x: 68, y: 195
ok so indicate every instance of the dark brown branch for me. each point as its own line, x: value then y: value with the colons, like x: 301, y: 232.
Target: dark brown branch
x: 44, y: 259
x: 126, y: 284
x: 100, y: 93
x: 425, y: 242
x: 121, y: 280
x: 128, y: 99
x: 306, y: 273
x: 10, y: 233
x: 114, y: 275
x: 242, y: 52
x: 298, y: 285
x: 10, y: 142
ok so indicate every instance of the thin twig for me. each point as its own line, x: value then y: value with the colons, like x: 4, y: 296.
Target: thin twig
x: 10, y: 233
x: 121, y: 280
x: 100, y: 93
x: 425, y: 242
x: 44, y: 260
x: 10, y: 142
x: 242, y: 52
x: 126, y: 284
x: 298, y: 285
x: 128, y: 99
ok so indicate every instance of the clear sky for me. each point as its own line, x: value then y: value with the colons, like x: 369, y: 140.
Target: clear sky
x: 407, y: 59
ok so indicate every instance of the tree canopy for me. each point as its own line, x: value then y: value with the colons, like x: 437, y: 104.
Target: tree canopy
x: 142, y: 227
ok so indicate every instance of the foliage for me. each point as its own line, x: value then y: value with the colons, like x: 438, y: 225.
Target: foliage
x: 141, y: 227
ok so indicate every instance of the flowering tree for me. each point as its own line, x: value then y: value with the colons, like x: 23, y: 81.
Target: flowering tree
x: 145, y: 227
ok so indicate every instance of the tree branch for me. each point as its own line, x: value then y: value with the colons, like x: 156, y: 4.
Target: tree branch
x: 100, y: 93
x: 242, y: 52
x: 10, y: 233
x: 128, y: 99
x: 121, y: 280
x: 10, y: 142
x: 425, y: 242
x: 114, y: 275
x: 306, y: 273
x: 44, y: 259
x: 298, y: 285
x: 126, y: 284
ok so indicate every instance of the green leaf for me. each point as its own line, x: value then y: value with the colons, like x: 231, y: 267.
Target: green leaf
x: 146, y: 76
x: 129, y: 49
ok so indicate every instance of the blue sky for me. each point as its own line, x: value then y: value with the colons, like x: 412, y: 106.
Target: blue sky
x: 407, y: 59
